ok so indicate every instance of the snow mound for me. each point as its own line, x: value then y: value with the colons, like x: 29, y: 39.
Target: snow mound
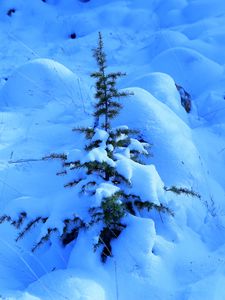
x: 202, y: 9
x: 163, y: 88
x: 213, y: 112
x: 142, y: 245
x: 208, y: 288
x: 64, y: 284
x: 134, y: 258
x: 173, y: 146
x: 162, y: 40
x: 21, y: 296
x: 151, y: 187
x: 41, y: 81
x: 187, y: 68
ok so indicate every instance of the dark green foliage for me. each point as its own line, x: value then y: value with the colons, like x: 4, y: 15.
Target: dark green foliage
x: 106, y: 236
x: 61, y: 156
x: 111, y: 211
x: 30, y: 225
x: 88, y: 131
x: 119, y: 204
x: 107, y: 107
x: 102, y: 169
x: 92, y: 145
x: 129, y: 207
x: 17, y: 222
x: 70, y: 230
x: 182, y: 190
x: 72, y: 183
x: 45, y: 238
x: 150, y: 205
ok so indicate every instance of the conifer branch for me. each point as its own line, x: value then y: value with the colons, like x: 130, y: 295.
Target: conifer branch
x: 72, y: 183
x: 44, y: 239
x: 61, y: 156
x: 30, y: 225
x: 182, y: 190
x: 89, y: 131
x: 5, y: 218
x: 17, y: 223
x: 71, y: 230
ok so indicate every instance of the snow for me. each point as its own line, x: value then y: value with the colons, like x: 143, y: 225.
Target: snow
x: 76, y: 287
x: 105, y: 190
x: 46, y: 91
x: 189, y: 68
x: 100, y: 155
x: 101, y: 135
x: 151, y: 187
x: 162, y: 127
x: 40, y: 81
x: 162, y: 87
x: 137, y: 146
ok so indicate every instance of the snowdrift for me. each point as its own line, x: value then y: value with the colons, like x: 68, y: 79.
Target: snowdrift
x: 40, y: 81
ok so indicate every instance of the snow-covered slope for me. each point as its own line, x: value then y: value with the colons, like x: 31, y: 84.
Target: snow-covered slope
x: 46, y: 90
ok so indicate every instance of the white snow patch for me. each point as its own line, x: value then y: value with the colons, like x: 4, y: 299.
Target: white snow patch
x: 105, y: 190
x: 66, y: 284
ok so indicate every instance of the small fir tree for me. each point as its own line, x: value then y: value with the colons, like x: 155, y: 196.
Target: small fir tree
x: 106, y: 107
x: 102, y: 172
x: 106, y: 149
